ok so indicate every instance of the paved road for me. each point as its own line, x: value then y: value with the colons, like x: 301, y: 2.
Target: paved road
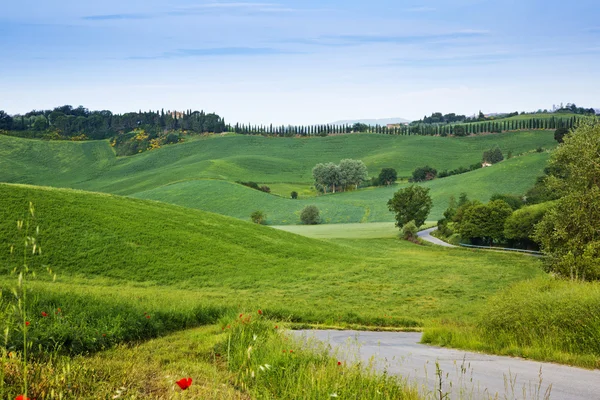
x: 483, y: 377
x: 426, y: 235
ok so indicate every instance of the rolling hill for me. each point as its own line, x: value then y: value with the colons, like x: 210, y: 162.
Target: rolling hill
x: 200, y: 173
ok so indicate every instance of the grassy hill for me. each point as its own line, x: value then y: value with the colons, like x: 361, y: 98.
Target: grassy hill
x: 93, y: 165
x: 166, y: 257
x: 200, y: 173
x: 512, y: 176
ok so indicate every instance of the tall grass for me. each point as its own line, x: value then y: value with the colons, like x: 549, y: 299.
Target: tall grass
x: 544, y: 319
x: 272, y: 364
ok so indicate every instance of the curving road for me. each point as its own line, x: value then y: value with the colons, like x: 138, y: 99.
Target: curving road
x: 465, y: 375
x: 426, y: 235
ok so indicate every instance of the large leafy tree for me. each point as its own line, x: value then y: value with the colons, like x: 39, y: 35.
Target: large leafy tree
x: 485, y: 222
x: 570, y: 232
x: 412, y: 203
x: 6, y: 120
x: 352, y: 172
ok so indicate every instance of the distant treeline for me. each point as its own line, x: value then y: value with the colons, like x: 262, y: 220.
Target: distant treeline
x: 464, y: 129
x: 67, y: 122
x: 79, y: 123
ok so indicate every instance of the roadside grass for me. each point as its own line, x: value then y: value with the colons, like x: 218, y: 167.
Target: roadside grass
x: 235, y: 359
x: 514, y: 176
x: 544, y: 319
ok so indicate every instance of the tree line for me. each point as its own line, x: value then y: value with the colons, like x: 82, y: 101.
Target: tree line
x: 66, y: 122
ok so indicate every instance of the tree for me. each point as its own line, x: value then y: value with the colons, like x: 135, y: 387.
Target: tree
x: 560, y: 134
x: 569, y: 232
x: 310, y: 215
x: 388, y: 176
x: 493, y: 156
x: 411, y: 204
x: 258, y: 217
x: 459, y: 130
x: 352, y: 172
x: 515, y: 202
x: 425, y: 173
x: 294, y: 195
x: 485, y: 222
x: 520, y: 226
x: 358, y: 127
x: 6, y: 121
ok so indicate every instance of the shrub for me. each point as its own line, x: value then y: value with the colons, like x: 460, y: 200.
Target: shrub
x: 387, y: 176
x: 294, y: 195
x: 265, y: 189
x: 425, y: 173
x: 409, y: 231
x: 520, y: 226
x: 258, y: 217
x: 493, y: 156
x: 310, y: 215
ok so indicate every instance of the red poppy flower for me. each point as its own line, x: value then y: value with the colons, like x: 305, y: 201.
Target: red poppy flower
x: 291, y: 351
x: 276, y: 327
x: 44, y: 314
x: 21, y: 397
x: 339, y: 363
x: 259, y: 312
x: 27, y: 323
x: 228, y: 326
x: 241, y: 315
x: 147, y: 316
x: 184, y: 383
x: 104, y: 335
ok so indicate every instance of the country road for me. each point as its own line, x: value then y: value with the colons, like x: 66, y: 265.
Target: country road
x: 481, y: 376
x: 426, y: 235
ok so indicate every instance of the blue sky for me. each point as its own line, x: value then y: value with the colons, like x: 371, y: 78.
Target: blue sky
x: 300, y: 61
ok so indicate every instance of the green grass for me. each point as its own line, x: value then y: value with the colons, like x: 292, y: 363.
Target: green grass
x: 543, y: 319
x: 514, y: 176
x: 93, y: 165
x: 373, y: 230
x: 187, y: 258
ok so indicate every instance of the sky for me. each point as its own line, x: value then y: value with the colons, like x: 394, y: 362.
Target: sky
x: 300, y: 61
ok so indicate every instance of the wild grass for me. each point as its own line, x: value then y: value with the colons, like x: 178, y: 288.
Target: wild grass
x: 271, y: 364
x: 544, y: 319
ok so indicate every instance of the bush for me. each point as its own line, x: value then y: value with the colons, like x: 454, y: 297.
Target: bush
x: 294, y: 195
x: 493, y: 156
x: 265, y: 189
x: 520, y: 226
x: 425, y: 173
x: 258, y: 217
x: 310, y: 215
x: 409, y: 231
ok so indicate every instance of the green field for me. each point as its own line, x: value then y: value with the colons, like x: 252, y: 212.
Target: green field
x: 514, y: 176
x: 201, y: 258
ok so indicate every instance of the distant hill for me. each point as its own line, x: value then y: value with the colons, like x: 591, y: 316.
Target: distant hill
x: 382, y: 121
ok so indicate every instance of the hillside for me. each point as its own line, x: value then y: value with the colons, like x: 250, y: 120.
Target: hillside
x: 174, y: 257
x: 93, y: 165
x: 513, y: 176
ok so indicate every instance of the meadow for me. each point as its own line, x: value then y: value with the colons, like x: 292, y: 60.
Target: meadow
x: 140, y: 264
x: 514, y: 176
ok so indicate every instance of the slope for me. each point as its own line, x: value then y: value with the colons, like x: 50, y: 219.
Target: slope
x: 512, y: 176
x: 93, y: 166
x: 166, y: 257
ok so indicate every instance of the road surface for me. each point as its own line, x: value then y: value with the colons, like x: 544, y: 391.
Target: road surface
x: 479, y: 376
x: 426, y: 235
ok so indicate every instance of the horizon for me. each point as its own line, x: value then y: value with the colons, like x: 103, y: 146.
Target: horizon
x: 300, y: 63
